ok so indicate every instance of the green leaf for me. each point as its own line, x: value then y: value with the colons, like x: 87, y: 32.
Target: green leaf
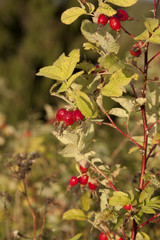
x: 119, y: 198
x: 86, y: 201
x: 70, y: 150
x: 90, y: 46
x: 142, y: 236
x: 125, y: 103
x: 151, y: 24
x: 122, y: 3
x: 67, y: 137
x: 147, y: 210
x: 106, y: 9
x: 77, y: 236
x: 84, y: 104
x: 71, y: 14
x: 133, y: 149
x: 119, y: 112
x: 156, y: 139
x: 143, y: 36
x: 123, y: 76
x: 141, y: 101
x: 155, y: 38
x: 66, y: 84
x: 104, y: 199
x: 111, y: 62
x: 111, y: 46
x: 88, y: 30
x: 91, y: 7
x: 62, y: 68
x: 111, y: 90
x: 146, y: 193
x: 74, y: 214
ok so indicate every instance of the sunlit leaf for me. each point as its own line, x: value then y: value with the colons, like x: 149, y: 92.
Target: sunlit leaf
x: 71, y: 14
x: 122, y: 3
x: 119, y: 112
x: 119, y: 198
x: 77, y: 236
x: 106, y: 9
x: 74, y: 214
x: 156, y: 139
x: 86, y: 201
x: 143, y: 36
x: 151, y: 24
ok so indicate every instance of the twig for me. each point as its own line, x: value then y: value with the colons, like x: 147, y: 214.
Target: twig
x: 134, y: 230
x: 149, y: 128
x: 95, y: 168
x: 152, y: 58
x: 31, y: 209
x: 149, y: 220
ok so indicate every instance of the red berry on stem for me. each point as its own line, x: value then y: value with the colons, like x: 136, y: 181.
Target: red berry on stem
x: 68, y: 118
x: 83, y: 169
x: 115, y: 23
x: 102, y: 19
x: 60, y: 113
x: 102, y: 236
x: 73, y: 181
x: 127, y: 207
x: 92, y: 186
x: 135, y: 52
x: 120, y: 238
x: 83, y: 180
x: 122, y: 15
x: 77, y: 115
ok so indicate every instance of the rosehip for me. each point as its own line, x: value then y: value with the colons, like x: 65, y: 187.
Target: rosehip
x: 60, y: 113
x: 127, y: 207
x: 102, y: 19
x: 68, y: 118
x: 92, y: 186
x: 77, y: 115
x: 120, y: 238
x: 115, y: 23
x: 122, y: 15
x: 136, y: 52
x: 73, y: 181
x: 102, y: 236
x: 83, y: 169
x: 83, y: 180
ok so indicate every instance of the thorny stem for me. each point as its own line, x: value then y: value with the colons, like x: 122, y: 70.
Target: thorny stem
x: 134, y: 230
x: 145, y: 127
x: 101, y: 173
x: 149, y: 220
x: 31, y: 209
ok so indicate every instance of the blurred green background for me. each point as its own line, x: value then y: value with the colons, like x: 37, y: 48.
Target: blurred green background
x: 32, y: 36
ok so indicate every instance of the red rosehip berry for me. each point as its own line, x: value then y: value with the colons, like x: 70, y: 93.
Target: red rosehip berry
x: 122, y: 15
x: 92, y: 186
x: 102, y: 19
x: 60, y: 113
x: 120, y: 238
x: 102, y: 236
x: 68, y: 118
x: 135, y: 52
x: 73, y: 181
x: 127, y: 207
x: 115, y: 23
x: 83, y: 180
x: 83, y: 169
x: 77, y: 115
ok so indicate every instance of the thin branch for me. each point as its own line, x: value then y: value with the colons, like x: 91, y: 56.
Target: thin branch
x: 149, y: 220
x: 149, y: 128
x: 134, y: 91
x: 150, y: 152
x: 154, y: 57
x: 95, y: 168
x: 134, y: 230
x: 31, y: 209
x: 131, y: 35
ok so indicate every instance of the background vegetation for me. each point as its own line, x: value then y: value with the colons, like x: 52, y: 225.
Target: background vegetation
x: 32, y: 36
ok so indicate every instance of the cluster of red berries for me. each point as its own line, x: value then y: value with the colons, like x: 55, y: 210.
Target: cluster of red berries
x: 83, y: 180
x: 69, y: 117
x: 115, y: 20
x: 103, y: 236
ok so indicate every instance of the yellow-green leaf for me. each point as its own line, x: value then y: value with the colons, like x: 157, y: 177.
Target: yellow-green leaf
x: 122, y: 3
x: 62, y: 68
x: 74, y: 214
x: 119, y: 198
x: 156, y: 139
x: 143, y: 36
x: 119, y: 112
x: 155, y: 38
x: 77, y: 236
x: 71, y: 14
x: 111, y: 90
x: 84, y: 104
x: 91, y: 7
x: 86, y: 201
x: 151, y: 24
x: 106, y: 9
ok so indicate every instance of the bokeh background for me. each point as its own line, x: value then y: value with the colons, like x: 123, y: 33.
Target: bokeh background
x: 32, y: 36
